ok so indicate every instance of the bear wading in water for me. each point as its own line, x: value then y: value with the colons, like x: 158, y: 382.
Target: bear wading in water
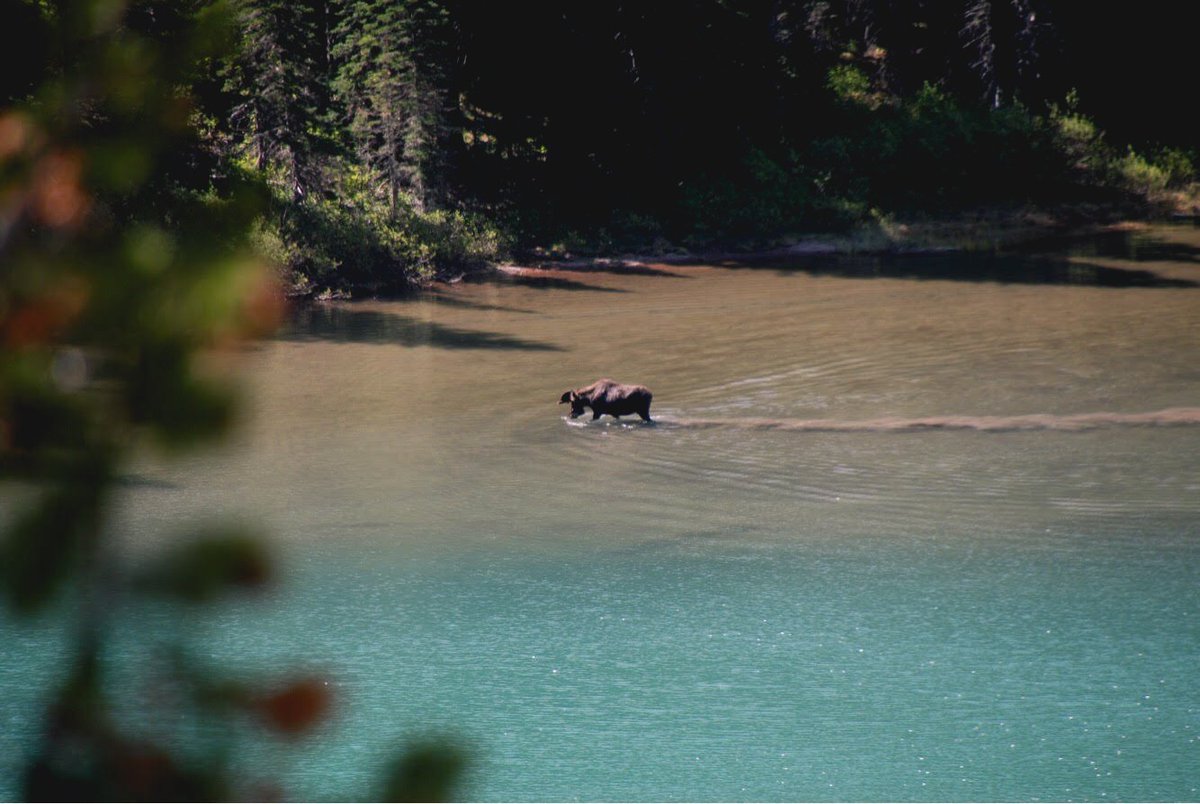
x: 613, y: 398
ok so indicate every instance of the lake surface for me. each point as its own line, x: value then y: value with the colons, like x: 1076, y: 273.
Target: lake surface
x: 922, y: 527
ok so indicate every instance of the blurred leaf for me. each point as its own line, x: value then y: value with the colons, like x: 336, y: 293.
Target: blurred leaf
x: 212, y: 563
x: 99, y: 765
x: 120, y: 164
x: 40, y: 319
x: 165, y: 395
x: 43, y: 426
x: 83, y: 757
x: 48, y: 540
x: 297, y: 706
x: 122, y: 270
x: 427, y: 771
x: 67, y: 765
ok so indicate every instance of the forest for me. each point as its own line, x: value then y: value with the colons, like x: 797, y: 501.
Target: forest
x: 401, y: 140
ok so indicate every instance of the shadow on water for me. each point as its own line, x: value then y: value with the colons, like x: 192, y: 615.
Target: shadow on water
x: 1131, y: 246
x: 621, y: 269
x: 137, y: 481
x: 447, y: 300
x: 349, y: 325
x: 998, y: 268
x: 1065, y: 264
x: 551, y: 283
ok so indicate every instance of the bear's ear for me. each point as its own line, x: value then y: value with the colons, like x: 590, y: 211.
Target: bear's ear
x: 566, y: 397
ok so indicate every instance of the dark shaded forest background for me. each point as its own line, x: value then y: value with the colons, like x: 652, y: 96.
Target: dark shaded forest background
x: 403, y: 138
x: 165, y: 165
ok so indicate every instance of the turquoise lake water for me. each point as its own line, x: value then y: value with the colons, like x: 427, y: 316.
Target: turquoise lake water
x: 980, y: 580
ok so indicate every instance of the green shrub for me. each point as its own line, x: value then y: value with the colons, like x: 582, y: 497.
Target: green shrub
x: 1100, y: 168
x: 636, y: 230
x: 1080, y: 142
x: 1139, y: 175
x: 444, y: 240
x: 353, y: 239
x: 850, y: 85
x: 762, y: 198
x: 1179, y: 166
x: 934, y: 152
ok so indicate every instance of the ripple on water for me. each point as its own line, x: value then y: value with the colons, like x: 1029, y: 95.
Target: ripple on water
x: 914, y: 474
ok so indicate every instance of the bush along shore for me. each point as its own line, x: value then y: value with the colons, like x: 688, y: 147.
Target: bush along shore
x: 319, y: 272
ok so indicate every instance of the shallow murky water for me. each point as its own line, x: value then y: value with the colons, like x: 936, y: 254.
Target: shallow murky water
x: 907, y: 528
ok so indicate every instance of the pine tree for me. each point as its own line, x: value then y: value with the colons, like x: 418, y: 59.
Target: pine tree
x: 1005, y: 38
x: 391, y: 80
x: 277, y: 82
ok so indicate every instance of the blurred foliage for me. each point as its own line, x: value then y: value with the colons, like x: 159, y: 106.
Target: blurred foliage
x: 427, y: 771
x: 127, y: 280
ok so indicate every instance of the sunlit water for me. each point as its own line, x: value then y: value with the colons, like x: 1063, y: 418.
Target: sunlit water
x: 917, y: 528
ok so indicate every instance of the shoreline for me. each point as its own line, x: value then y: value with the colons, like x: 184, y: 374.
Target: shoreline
x: 983, y: 232
x: 938, y: 237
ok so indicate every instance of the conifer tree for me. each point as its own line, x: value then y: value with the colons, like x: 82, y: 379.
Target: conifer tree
x: 391, y: 80
x: 276, y: 81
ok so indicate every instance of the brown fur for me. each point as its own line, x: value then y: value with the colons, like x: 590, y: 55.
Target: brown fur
x: 605, y: 396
